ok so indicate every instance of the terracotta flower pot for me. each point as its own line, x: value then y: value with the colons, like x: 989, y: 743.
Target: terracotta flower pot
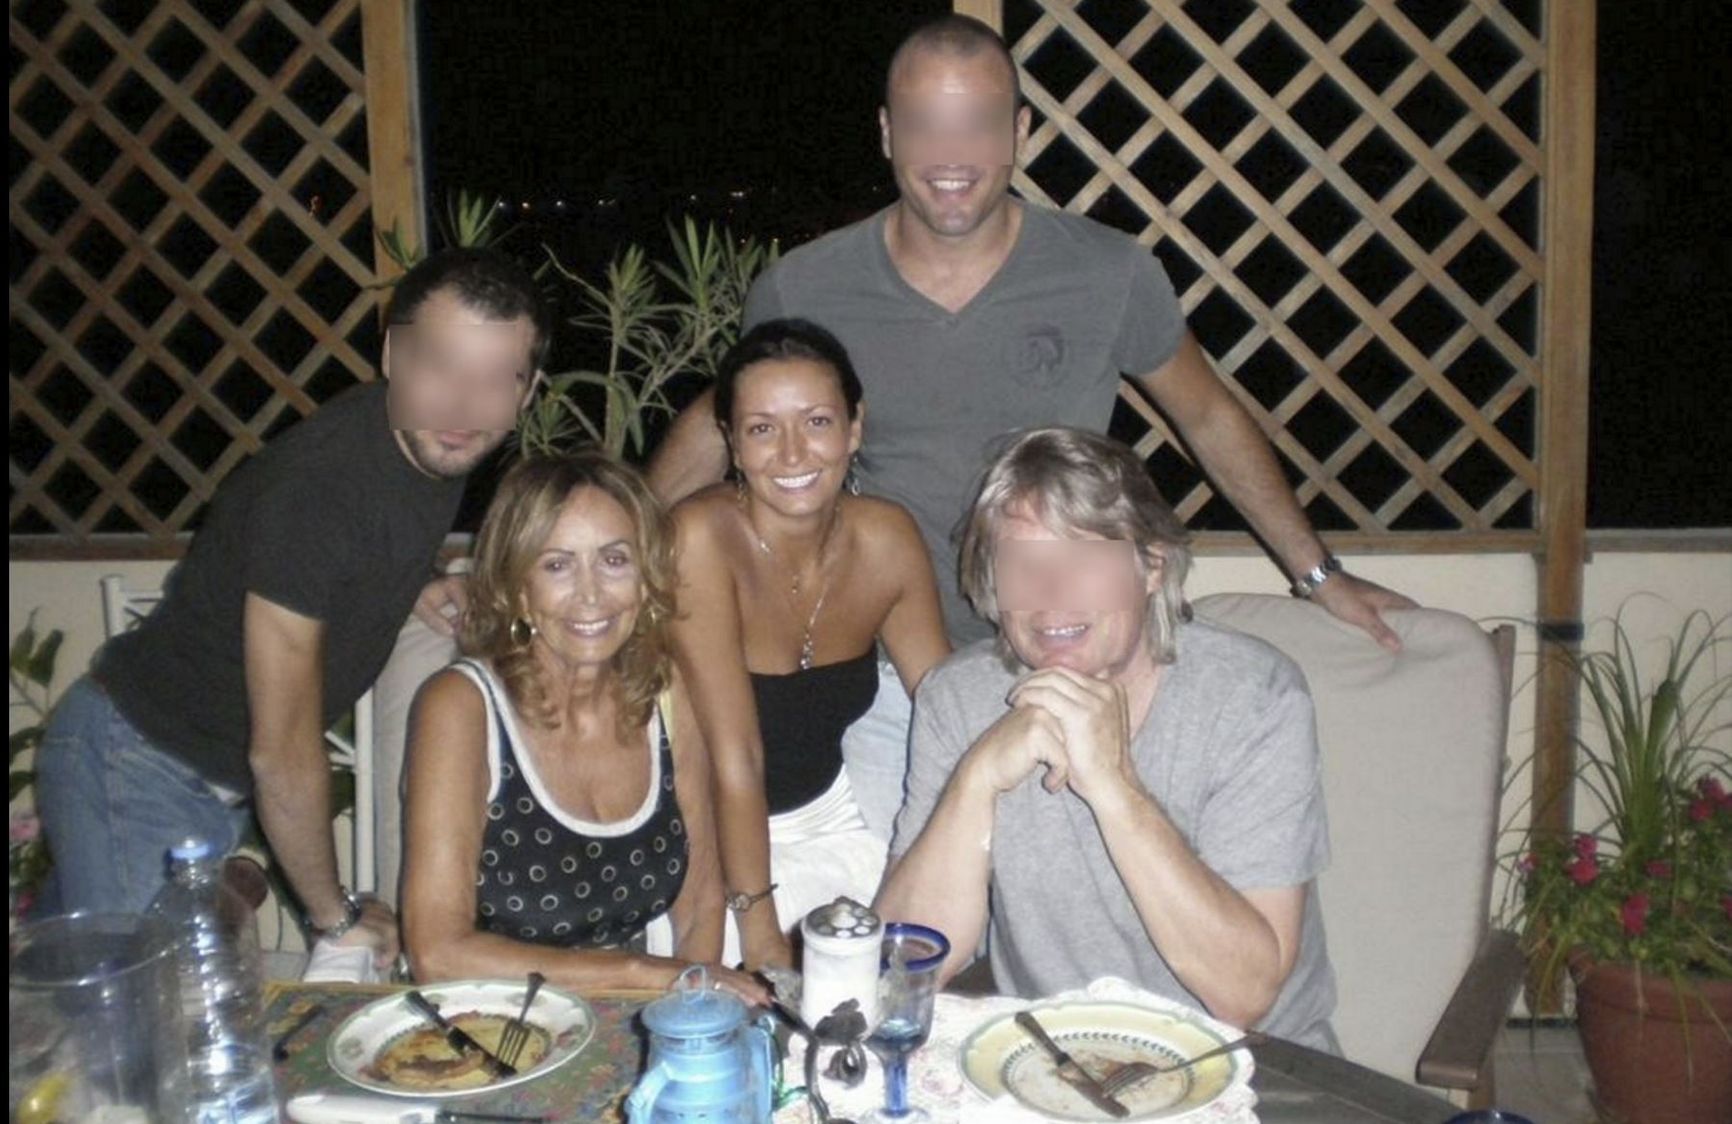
x: 1657, y: 1057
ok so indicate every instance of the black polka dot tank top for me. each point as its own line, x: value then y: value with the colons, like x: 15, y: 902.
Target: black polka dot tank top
x: 548, y: 877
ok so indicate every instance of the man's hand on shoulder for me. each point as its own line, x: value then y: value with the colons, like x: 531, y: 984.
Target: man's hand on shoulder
x: 1362, y: 603
x: 442, y: 602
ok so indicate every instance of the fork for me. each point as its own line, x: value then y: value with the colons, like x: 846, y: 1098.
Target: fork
x: 1135, y: 1073
x: 515, y: 1036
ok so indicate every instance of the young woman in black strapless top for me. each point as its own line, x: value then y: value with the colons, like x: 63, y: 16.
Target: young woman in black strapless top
x: 788, y: 584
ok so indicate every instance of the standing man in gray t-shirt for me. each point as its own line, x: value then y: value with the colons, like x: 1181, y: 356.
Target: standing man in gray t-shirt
x: 969, y: 313
x: 1119, y: 791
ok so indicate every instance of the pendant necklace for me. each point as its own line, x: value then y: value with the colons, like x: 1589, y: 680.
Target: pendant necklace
x: 806, y: 649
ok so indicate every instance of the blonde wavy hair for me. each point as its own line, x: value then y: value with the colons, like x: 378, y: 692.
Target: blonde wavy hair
x: 1073, y: 480
x: 518, y: 523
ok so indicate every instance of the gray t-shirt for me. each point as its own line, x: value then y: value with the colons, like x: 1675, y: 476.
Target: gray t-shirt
x: 1075, y: 305
x: 1229, y: 751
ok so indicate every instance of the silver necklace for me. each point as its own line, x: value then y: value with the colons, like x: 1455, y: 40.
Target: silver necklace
x: 806, y: 648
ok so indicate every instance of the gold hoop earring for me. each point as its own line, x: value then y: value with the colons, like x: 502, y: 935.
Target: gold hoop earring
x: 522, y: 631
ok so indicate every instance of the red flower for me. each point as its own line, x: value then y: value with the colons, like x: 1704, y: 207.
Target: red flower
x: 1635, y: 914
x: 1727, y: 902
x: 1582, y: 871
x: 1659, y: 868
x: 1701, y: 809
x: 1586, y: 846
x: 1528, y: 863
x: 1712, y: 789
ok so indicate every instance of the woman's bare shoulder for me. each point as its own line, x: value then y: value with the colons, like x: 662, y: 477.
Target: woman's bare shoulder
x: 888, y: 525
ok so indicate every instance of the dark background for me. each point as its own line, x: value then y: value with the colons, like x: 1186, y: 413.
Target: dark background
x: 609, y: 118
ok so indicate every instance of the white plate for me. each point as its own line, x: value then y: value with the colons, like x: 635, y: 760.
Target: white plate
x: 568, y: 1021
x: 1000, y: 1058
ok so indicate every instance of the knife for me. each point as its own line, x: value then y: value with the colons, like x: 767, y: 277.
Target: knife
x: 460, y: 1040
x: 1069, y: 1071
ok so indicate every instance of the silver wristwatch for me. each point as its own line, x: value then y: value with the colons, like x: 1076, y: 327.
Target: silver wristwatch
x: 1306, y: 584
x: 351, y: 917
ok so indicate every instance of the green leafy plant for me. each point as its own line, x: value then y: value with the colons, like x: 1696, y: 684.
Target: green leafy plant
x: 1652, y: 884
x: 30, y: 678
x: 469, y: 219
x: 655, y: 323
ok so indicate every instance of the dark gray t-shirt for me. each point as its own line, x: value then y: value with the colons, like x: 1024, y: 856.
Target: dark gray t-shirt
x: 1229, y: 752
x: 1075, y: 305
x: 330, y: 521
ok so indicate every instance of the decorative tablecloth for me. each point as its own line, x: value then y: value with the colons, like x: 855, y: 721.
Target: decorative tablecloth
x: 593, y: 1086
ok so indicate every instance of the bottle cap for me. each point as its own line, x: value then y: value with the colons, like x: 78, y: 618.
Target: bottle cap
x: 189, y: 849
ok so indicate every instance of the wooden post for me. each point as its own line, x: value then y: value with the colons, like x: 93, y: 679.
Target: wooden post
x: 393, y: 123
x: 989, y: 12
x: 1563, y: 436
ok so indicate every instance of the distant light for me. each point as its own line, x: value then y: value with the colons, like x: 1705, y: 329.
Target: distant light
x: 559, y: 204
x: 526, y: 204
x: 693, y: 198
x: 736, y: 195
x: 500, y: 205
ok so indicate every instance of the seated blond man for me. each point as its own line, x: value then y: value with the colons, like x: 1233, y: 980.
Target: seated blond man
x: 1109, y: 788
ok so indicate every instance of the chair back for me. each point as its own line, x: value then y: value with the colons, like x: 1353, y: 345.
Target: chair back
x: 1413, y: 751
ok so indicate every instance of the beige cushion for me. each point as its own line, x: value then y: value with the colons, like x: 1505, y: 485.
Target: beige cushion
x: 1412, y: 758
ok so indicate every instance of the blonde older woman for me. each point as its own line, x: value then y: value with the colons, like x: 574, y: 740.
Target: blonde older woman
x: 1138, y: 793
x: 558, y: 795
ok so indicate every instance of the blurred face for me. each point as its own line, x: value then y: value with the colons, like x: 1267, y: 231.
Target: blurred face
x: 791, y: 435
x: 1070, y: 599
x: 585, y: 588
x: 951, y: 132
x: 457, y: 381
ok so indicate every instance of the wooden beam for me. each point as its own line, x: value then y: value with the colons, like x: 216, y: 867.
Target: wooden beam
x: 393, y: 123
x: 1563, y: 436
x: 1567, y: 232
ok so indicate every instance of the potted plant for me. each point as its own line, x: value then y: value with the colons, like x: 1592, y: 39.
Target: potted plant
x: 1639, y: 909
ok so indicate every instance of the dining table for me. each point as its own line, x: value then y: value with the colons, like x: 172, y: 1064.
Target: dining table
x: 1294, y: 1084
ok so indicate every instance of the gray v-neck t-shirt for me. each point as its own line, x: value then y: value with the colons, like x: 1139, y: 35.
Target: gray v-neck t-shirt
x: 1228, y: 751
x: 1075, y: 306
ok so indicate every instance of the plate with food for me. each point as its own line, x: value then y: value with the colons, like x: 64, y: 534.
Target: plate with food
x: 389, y: 1047
x: 1000, y: 1059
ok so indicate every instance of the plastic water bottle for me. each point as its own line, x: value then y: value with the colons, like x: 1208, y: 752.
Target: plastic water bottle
x: 218, y: 957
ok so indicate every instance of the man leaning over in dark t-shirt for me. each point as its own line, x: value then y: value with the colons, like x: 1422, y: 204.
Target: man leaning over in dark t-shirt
x: 285, y: 608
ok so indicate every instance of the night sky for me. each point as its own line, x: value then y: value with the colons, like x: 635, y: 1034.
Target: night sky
x: 645, y: 105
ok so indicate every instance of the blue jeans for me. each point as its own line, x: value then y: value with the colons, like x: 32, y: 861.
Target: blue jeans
x: 112, y: 804
x: 875, y: 752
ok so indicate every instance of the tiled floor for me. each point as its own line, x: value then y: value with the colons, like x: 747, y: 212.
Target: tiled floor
x: 1541, y: 1075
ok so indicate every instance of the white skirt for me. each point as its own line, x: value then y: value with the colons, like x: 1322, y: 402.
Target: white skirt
x: 818, y: 852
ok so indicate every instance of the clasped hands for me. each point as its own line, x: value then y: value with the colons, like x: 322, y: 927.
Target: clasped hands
x: 1076, y: 726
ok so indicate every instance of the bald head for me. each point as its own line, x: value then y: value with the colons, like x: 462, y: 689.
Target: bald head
x: 953, y: 36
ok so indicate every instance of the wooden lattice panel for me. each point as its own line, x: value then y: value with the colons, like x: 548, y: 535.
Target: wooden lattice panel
x: 1346, y: 196
x: 191, y: 248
